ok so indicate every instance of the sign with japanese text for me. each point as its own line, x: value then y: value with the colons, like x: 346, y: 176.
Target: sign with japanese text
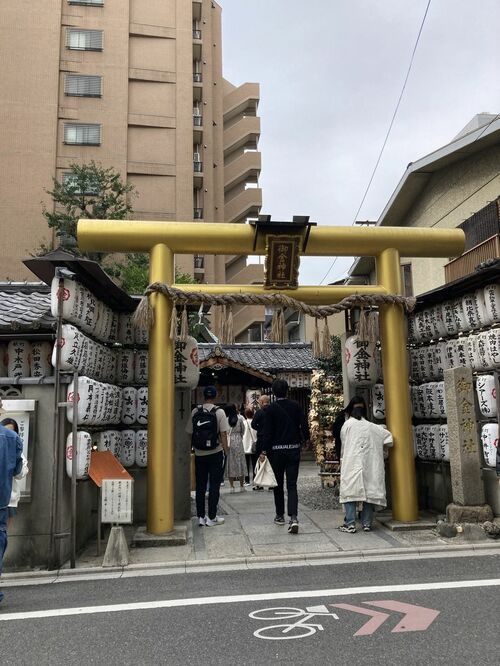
x: 282, y: 262
x: 116, y: 501
x: 23, y: 412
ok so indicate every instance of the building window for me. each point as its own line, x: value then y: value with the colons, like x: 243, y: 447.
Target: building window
x: 79, y: 85
x: 255, y: 333
x: 84, y: 40
x: 78, y: 134
x: 99, y: 3
x: 89, y: 188
x: 406, y: 279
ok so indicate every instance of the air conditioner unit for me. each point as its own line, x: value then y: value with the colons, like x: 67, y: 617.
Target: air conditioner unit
x: 196, y: 157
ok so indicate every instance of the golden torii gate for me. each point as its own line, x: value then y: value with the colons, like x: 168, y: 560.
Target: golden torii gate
x: 164, y: 239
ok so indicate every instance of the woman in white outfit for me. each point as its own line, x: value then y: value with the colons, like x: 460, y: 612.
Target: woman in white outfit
x: 362, y: 469
x: 11, y: 424
x: 249, y: 444
x: 236, y: 463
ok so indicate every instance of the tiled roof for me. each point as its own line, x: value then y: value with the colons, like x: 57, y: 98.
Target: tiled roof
x: 25, y: 310
x: 267, y: 356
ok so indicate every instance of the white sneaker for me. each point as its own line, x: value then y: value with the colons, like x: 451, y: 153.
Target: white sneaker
x: 201, y: 522
x: 218, y: 520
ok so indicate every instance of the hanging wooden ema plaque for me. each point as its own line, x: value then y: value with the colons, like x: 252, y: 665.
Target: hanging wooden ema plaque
x: 281, y: 270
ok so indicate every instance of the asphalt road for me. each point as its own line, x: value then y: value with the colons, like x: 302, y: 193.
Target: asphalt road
x: 208, y: 618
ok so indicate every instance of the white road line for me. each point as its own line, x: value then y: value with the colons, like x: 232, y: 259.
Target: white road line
x: 243, y: 598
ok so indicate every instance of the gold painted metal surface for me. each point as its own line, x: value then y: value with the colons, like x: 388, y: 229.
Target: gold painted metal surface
x: 160, y: 514
x: 221, y: 238
x: 397, y: 398
x: 310, y: 295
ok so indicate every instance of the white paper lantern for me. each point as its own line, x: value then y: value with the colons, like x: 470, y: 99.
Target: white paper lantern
x: 486, y: 395
x: 104, y: 440
x: 18, y: 358
x: 492, y: 302
x: 90, y: 316
x: 187, y: 364
x: 142, y: 405
x: 452, y: 353
x: 126, y: 331
x: 421, y: 433
x: 414, y: 364
x: 444, y: 447
x: 463, y: 352
x: 141, y: 367
x: 474, y: 361
x: 420, y: 335
x: 113, y: 327
x: 117, y: 405
x: 431, y: 362
x: 441, y: 399
x: 482, y: 312
x: 40, y: 365
x: 483, y: 350
x: 141, y: 448
x: 423, y: 363
x: 129, y: 405
x: 125, y: 368
x: 72, y: 299
x: 489, y: 439
x: 127, y: 451
x: 141, y: 335
x: 378, y: 401
x: 437, y: 321
x: 431, y: 400
x: 83, y: 451
x: 493, y: 338
x: 360, y: 361
x: 410, y: 323
x: 420, y: 405
x: 461, y: 322
x: 448, y: 317
x: 440, y: 359
x: 83, y: 399
x: 433, y: 442
x: 116, y: 443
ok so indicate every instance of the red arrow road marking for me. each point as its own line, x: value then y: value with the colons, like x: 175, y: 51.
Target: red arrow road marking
x: 417, y: 618
x: 370, y: 627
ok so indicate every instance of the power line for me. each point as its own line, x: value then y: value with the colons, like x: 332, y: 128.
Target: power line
x: 390, y: 126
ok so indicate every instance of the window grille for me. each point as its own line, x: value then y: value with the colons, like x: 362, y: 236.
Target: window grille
x: 82, y: 135
x: 79, y: 85
x: 90, y: 188
x: 86, y: 2
x: 84, y: 40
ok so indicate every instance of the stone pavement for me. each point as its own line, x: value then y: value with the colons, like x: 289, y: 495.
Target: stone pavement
x: 250, y: 537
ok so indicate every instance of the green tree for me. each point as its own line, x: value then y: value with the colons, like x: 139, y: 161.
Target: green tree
x: 333, y: 364
x: 91, y: 192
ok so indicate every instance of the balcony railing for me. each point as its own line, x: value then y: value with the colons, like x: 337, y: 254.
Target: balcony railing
x: 197, y: 121
x: 198, y: 214
x: 197, y: 77
x: 199, y: 262
x: 467, y: 263
x: 198, y: 167
x: 196, y: 34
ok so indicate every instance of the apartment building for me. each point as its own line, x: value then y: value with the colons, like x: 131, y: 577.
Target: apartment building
x: 136, y: 85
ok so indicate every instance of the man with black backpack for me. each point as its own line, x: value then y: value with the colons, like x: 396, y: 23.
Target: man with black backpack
x: 208, y: 428
x: 285, y: 430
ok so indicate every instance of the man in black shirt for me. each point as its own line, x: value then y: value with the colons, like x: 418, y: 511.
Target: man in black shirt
x: 285, y: 429
x: 258, y: 425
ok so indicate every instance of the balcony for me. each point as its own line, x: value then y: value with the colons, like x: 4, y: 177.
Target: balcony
x: 245, y: 318
x: 467, y: 263
x: 197, y: 77
x: 246, y: 204
x: 243, y: 100
x: 199, y: 263
x: 244, y: 169
x: 197, y: 9
x: 198, y: 167
x: 196, y: 34
x: 197, y: 213
x: 197, y: 121
x: 243, y: 134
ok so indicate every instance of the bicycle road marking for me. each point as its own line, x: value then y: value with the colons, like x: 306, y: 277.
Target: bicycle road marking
x: 244, y: 598
x: 302, y: 628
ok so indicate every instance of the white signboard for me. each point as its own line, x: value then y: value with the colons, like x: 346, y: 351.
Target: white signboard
x: 116, y: 501
x: 22, y: 411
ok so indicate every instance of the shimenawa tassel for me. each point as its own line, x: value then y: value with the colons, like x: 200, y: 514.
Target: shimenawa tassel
x: 316, y: 343
x: 326, y: 351
x: 184, y: 325
x: 144, y: 314
x: 174, y: 322
x: 362, y: 325
x: 229, y: 327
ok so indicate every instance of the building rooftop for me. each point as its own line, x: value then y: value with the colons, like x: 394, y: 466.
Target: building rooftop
x: 264, y: 356
x: 25, y: 307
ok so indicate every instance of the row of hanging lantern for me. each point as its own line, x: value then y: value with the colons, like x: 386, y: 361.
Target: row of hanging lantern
x: 21, y: 358
x: 475, y: 310
x: 130, y: 447
x: 431, y: 442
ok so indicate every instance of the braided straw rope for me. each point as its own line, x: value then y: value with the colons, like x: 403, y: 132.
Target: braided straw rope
x: 144, y: 315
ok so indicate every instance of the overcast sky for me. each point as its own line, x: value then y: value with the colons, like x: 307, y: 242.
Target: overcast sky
x: 331, y: 72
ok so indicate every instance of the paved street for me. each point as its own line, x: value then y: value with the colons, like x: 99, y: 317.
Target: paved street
x: 147, y: 617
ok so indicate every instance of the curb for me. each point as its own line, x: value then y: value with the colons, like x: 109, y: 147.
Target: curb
x: 187, y: 566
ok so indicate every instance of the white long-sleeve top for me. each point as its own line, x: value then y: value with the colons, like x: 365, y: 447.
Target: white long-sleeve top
x: 249, y: 437
x: 362, y: 471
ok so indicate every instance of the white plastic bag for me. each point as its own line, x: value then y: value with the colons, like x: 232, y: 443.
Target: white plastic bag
x: 264, y: 475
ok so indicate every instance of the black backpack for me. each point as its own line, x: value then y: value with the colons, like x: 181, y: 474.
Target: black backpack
x: 205, y: 436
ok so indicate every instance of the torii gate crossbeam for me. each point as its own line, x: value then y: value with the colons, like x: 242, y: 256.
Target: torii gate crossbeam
x: 163, y: 239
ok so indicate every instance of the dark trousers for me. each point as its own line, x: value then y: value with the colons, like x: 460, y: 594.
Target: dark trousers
x: 208, y: 469
x: 286, y: 461
x: 251, y: 459
x: 3, y: 538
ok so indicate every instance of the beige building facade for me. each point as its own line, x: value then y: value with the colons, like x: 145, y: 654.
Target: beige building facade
x: 136, y: 85
x: 444, y: 190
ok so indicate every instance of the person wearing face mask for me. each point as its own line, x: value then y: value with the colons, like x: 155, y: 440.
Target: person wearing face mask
x: 362, y: 469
